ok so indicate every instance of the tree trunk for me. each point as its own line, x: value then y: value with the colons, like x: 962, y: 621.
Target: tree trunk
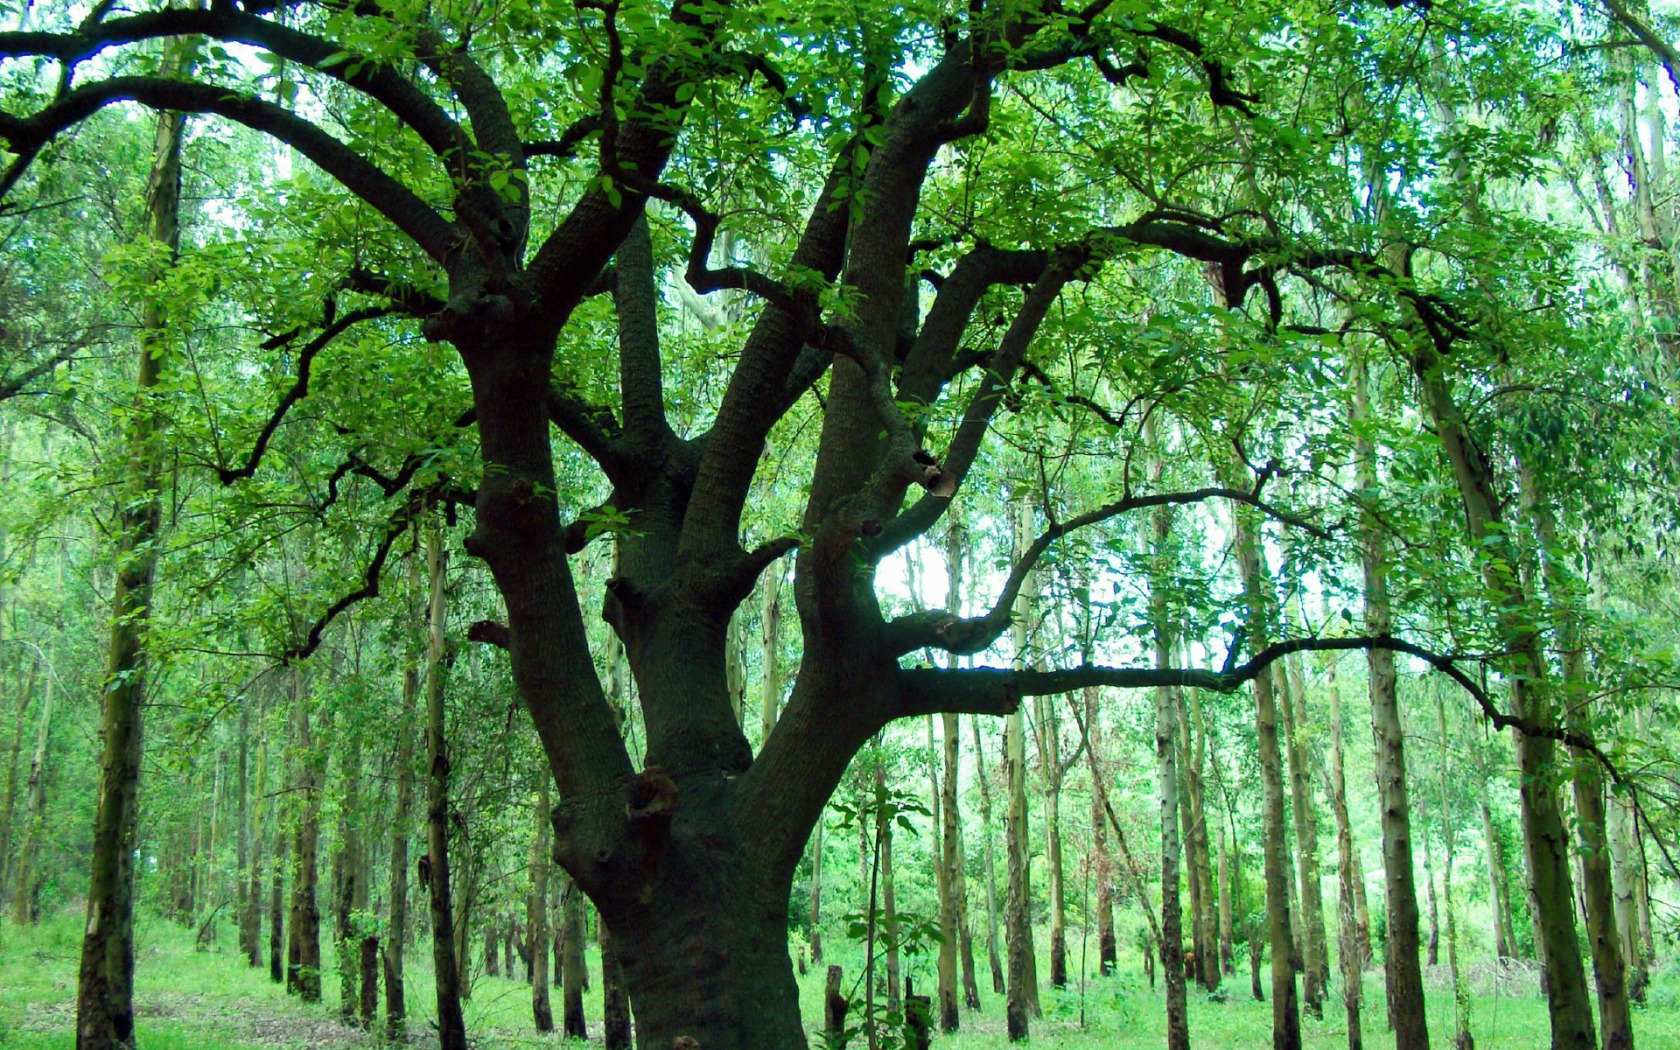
x: 1227, y: 909
x: 397, y: 926
x: 276, y: 907
x: 770, y: 692
x: 1302, y: 759
x: 1503, y: 948
x: 452, y: 1033
x: 1347, y: 947
x: 1166, y: 770
x: 1404, y: 981
x: 950, y: 870
x: 615, y: 999
x: 1609, y: 953
x: 993, y: 959
x: 572, y: 974
x: 35, y: 797
x: 1198, y: 851
x: 242, y: 835
x: 304, y: 950
x: 105, y: 990
x: 1432, y: 946
x: 1545, y: 837
x: 1108, y: 949
x: 816, y: 893
x: 536, y: 912
x: 492, y: 959
x: 251, y: 919
x: 352, y: 890
x: 14, y: 753
x: 1286, y: 1017
x: 889, y: 899
x: 1461, y: 994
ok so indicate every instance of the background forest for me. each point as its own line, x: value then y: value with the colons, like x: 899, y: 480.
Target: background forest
x: 1119, y: 525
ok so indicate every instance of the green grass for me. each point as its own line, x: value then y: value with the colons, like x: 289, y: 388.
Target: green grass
x: 198, y: 1000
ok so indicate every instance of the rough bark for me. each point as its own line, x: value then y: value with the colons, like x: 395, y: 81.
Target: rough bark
x: 352, y: 893
x: 1404, y: 982
x: 397, y: 925
x: 615, y: 1000
x: 303, y: 951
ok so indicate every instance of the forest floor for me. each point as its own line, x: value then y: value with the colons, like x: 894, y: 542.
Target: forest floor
x: 206, y: 1000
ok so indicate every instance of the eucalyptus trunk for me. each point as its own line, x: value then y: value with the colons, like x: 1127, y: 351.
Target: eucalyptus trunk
x: 1404, y: 976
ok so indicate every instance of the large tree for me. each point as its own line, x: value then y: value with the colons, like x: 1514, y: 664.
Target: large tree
x: 905, y: 130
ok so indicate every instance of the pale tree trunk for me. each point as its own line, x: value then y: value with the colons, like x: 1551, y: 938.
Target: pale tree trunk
x: 1347, y: 947
x: 105, y: 989
x: 1017, y: 922
x: 1461, y: 994
x: 993, y: 958
x: 1286, y: 1016
x: 1198, y: 850
x: 1052, y: 772
x: 452, y: 1033
x: 1504, y: 940
x: 1404, y: 977
x: 1292, y: 710
x: 770, y: 693
x: 1108, y: 948
x: 1624, y: 885
x: 536, y: 912
x: 1432, y: 945
x: 1166, y: 772
x: 1227, y: 910
x: 950, y: 869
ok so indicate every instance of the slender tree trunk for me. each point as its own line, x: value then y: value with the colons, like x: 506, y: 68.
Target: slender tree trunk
x: 950, y: 870
x: 1543, y: 830
x: 572, y: 966
x: 35, y: 796
x: 1502, y: 946
x: 1108, y: 949
x: 1198, y: 850
x: 242, y: 834
x: 352, y: 892
x: 276, y: 907
x: 889, y: 898
x: 1017, y: 923
x: 1227, y: 909
x: 1050, y: 765
x: 105, y: 991
x: 816, y: 893
x: 1404, y: 978
x: 1432, y: 946
x: 1286, y: 1017
x: 14, y: 753
x: 1461, y: 994
x: 305, y: 948
x: 770, y: 694
x: 452, y: 1034
x: 1302, y: 759
x: 397, y: 926
x: 536, y: 922
x: 1608, y: 952
x: 1347, y: 948
x: 1166, y: 770
x: 251, y: 919
x: 993, y: 958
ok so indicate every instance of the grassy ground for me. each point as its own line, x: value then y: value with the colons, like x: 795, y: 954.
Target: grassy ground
x: 197, y: 1000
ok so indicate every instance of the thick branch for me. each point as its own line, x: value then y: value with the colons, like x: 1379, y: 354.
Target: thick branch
x: 399, y: 204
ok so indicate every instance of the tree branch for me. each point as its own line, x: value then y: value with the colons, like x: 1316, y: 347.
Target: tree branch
x: 399, y: 204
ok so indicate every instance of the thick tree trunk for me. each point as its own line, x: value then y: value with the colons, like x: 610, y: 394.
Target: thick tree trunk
x: 1404, y: 981
x: 452, y: 1033
x: 1347, y: 948
x: 536, y: 912
x: 105, y: 990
